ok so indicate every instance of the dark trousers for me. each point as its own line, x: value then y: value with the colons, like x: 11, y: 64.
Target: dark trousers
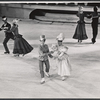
x: 95, y: 31
x: 5, y: 42
x: 47, y: 65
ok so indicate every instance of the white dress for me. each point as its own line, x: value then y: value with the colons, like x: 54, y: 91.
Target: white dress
x: 63, y: 63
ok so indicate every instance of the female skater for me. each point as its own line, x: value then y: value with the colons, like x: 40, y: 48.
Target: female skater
x: 21, y: 46
x: 60, y: 54
x: 80, y: 32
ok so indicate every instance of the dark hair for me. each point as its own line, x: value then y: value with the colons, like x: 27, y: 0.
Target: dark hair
x: 4, y: 17
x: 59, y: 40
x: 95, y: 8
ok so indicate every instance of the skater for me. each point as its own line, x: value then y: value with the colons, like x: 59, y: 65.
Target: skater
x: 43, y: 58
x: 60, y: 54
x: 80, y: 32
x: 95, y: 16
x: 21, y: 46
x: 6, y: 26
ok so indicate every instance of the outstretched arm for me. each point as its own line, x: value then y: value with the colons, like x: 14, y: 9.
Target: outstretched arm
x: 89, y: 15
x: 49, y: 53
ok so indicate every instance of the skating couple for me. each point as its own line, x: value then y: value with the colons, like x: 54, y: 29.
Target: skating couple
x: 21, y: 46
x: 59, y: 53
x: 80, y: 32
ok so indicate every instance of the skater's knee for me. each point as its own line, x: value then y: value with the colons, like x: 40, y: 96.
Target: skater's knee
x: 4, y: 43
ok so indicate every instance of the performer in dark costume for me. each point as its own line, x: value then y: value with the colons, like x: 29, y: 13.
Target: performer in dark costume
x: 6, y: 27
x: 80, y: 32
x: 95, y: 16
x: 21, y: 46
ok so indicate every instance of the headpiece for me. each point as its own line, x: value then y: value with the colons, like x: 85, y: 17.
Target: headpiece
x: 42, y: 37
x: 60, y: 37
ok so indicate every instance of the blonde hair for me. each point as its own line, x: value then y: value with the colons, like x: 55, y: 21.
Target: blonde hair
x: 15, y: 21
x: 80, y: 9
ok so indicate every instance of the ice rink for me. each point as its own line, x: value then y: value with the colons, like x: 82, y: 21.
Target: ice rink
x: 20, y: 76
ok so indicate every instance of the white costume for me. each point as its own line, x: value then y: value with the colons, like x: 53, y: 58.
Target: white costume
x: 64, y: 66
x: 60, y: 53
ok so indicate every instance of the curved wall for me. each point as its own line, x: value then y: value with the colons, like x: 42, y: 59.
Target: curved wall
x: 15, y: 10
x: 28, y: 11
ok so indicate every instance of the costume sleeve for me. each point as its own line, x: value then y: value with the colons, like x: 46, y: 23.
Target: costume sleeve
x: 49, y: 54
x: 78, y: 15
x: 63, y: 51
x: 9, y: 27
x: 12, y: 29
x: 6, y: 28
x: 61, y: 54
x: 40, y: 51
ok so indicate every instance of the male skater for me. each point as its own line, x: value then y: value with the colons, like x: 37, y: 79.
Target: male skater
x: 6, y: 27
x: 95, y: 16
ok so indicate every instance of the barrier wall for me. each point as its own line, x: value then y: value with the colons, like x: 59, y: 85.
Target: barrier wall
x: 26, y: 11
x: 15, y: 10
